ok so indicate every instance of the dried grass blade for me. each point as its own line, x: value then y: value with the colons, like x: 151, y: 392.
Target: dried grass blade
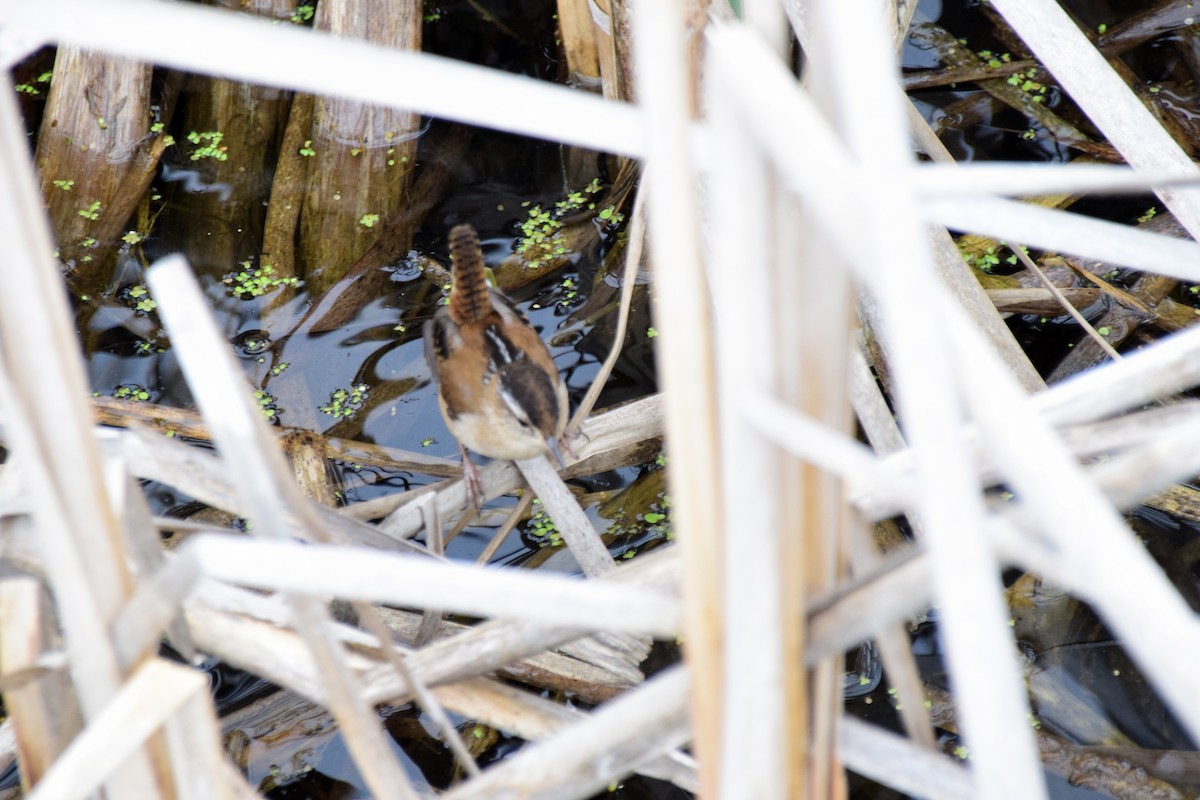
x: 635, y: 238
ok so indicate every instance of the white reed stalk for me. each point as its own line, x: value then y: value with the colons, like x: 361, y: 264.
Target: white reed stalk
x: 1050, y: 229
x: 987, y: 179
x: 803, y: 436
x: 490, y: 645
x: 1170, y: 456
x: 899, y: 764
x: 757, y: 734
x: 684, y: 353
x: 259, y: 51
x: 363, y: 574
x: 199, y: 763
x: 203, y: 476
x: 529, y: 716
x: 1170, y: 365
x: 577, y: 530
x: 979, y: 646
x: 897, y: 590
x: 582, y: 759
x: 830, y: 183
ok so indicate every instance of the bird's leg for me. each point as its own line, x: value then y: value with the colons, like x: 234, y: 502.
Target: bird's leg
x: 564, y: 443
x: 471, y: 479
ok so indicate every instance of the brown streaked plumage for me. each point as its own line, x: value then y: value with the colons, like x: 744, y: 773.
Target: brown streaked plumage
x: 498, y: 386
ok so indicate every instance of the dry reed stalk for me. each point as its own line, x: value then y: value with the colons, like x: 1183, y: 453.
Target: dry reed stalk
x: 685, y: 359
x: 582, y: 667
x: 145, y: 554
x: 1164, y: 457
x: 636, y: 240
x: 638, y: 727
x: 895, y: 648
x: 77, y: 532
x: 201, y: 769
x: 44, y: 713
x: 895, y: 762
x: 531, y: 717
x: 982, y: 179
x: 490, y: 645
x: 310, y: 61
x: 576, y: 529
x: 1150, y: 373
x: 1131, y: 430
x: 154, y: 693
x: 771, y: 742
x: 846, y: 612
x: 365, y: 574
x: 1049, y: 229
x: 770, y: 22
x: 610, y: 47
x: 203, y: 476
x: 979, y: 646
x: 606, y: 438
x: 1040, y: 301
x: 257, y: 640
x: 1143, y: 376
x: 262, y: 475
x: 578, y: 41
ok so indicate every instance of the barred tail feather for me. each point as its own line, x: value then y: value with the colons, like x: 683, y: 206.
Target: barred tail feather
x: 470, y: 299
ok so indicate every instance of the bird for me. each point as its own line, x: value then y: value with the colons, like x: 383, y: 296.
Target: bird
x: 498, y: 387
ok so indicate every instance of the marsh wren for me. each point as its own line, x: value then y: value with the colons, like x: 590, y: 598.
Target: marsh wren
x: 498, y: 387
